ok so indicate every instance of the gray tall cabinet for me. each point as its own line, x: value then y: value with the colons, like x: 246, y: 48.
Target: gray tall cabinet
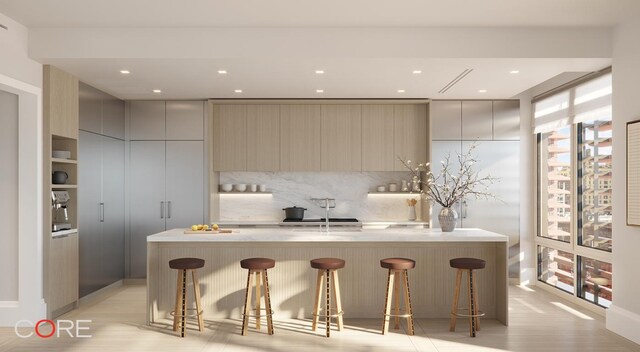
x: 166, y: 172
x: 494, y: 126
x: 101, y: 185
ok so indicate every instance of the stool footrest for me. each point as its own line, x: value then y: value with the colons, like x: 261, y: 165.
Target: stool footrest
x: 480, y: 314
x: 259, y: 315
x: 340, y: 313
x: 174, y: 314
x: 405, y: 315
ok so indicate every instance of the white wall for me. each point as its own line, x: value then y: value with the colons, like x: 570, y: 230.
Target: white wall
x: 22, y: 76
x: 624, y: 316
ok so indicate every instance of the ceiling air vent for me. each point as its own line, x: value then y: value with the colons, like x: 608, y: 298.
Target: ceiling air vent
x: 455, y: 80
x: 3, y: 26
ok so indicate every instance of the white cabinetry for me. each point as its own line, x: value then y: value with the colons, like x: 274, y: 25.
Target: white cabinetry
x: 185, y: 120
x: 147, y: 120
x: 166, y: 191
x: 506, y: 120
x: 477, y: 120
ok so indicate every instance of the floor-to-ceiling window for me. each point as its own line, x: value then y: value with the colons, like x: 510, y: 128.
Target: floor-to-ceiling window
x: 574, y: 241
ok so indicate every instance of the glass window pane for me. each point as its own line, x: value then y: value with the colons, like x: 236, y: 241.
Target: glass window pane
x: 594, y: 202
x: 555, y: 267
x: 595, y: 281
x: 554, y: 191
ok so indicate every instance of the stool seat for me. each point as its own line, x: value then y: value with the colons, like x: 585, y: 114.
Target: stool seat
x: 398, y: 263
x: 467, y: 263
x: 186, y: 263
x: 327, y: 263
x: 257, y: 263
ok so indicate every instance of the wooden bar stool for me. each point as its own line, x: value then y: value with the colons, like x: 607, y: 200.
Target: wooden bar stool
x: 257, y: 266
x: 186, y: 265
x: 467, y: 265
x: 398, y: 266
x: 328, y: 269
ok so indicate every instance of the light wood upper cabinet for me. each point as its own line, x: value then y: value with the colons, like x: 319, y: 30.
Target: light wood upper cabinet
x: 410, y: 128
x: 263, y: 137
x: 341, y: 138
x: 147, y: 120
x: 60, y: 103
x: 300, y: 137
x: 229, y: 137
x: 477, y: 120
x: 377, y: 137
x: 185, y: 120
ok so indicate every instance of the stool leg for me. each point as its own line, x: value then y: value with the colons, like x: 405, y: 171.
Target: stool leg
x: 336, y: 294
x: 456, y: 298
x: 316, y: 304
x: 247, y: 303
x: 267, y: 302
x: 328, y: 304
x: 477, y: 307
x: 387, y: 302
x: 396, y: 294
x: 407, y: 302
x: 258, y: 297
x: 472, y: 320
x: 196, y: 292
x: 183, y: 309
x: 176, y: 309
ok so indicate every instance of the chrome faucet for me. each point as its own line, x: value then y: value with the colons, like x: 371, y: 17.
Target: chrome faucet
x: 325, y: 203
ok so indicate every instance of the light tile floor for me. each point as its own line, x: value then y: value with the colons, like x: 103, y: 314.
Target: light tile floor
x: 536, y: 324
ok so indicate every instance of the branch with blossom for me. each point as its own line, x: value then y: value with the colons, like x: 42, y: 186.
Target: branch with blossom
x: 447, y: 188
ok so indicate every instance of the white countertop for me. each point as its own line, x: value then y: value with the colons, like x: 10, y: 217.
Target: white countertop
x: 339, y: 235
x: 275, y: 223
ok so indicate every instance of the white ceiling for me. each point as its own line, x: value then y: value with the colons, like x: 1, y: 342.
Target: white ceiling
x: 346, y: 77
x: 314, y: 13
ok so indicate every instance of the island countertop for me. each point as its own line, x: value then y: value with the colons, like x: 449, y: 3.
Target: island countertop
x: 311, y: 234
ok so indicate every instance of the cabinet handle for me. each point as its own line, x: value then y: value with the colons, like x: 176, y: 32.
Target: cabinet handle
x: 101, y: 212
x: 162, y: 210
x: 169, y: 210
x: 465, y: 208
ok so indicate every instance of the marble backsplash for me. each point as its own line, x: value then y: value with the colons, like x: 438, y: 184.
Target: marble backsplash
x: 350, y: 189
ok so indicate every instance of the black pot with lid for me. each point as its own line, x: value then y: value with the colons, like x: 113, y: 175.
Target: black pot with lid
x: 294, y: 213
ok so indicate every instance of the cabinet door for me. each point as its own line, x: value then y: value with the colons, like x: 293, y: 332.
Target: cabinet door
x: 90, y: 211
x: 341, y: 138
x: 477, y: 120
x: 61, y: 102
x: 147, y: 200
x: 446, y: 120
x: 147, y: 120
x: 229, y: 137
x: 506, y: 120
x: 300, y: 137
x: 113, y: 199
x: 63, y: 271
x: 185, y: 120
x: 112, y: 116
x: 185, y: 183
x: 377, y: 138
x: 90, y: 106
x: 499, y: 159
x: 439, y: 152
x: 263, y: 137
x: 410, y: 134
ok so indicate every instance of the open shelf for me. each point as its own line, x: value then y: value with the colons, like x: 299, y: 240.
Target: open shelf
x: 246, y: 192
x: 64, y: 161
x: 64, y: 186
x: 404, y: 193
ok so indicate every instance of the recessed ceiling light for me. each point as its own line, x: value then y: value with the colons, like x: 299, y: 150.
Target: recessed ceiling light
x: 514, y: 71
x: 222, y: 72
x: 482, y: 91
x: 319, y: 72
x: 157, y: 91
x: 125, y: 72
x: 237, y: 91
x: 319, y: 90
x: 417, y: 72
x: 400, y: 90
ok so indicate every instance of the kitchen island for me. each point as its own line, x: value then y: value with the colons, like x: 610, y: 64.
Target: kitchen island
x: 362, y: 281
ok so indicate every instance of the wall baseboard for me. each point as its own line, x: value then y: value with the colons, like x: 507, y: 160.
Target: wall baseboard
x: 101, y: 294
x: 624, y: 323
x: 135, y: 281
